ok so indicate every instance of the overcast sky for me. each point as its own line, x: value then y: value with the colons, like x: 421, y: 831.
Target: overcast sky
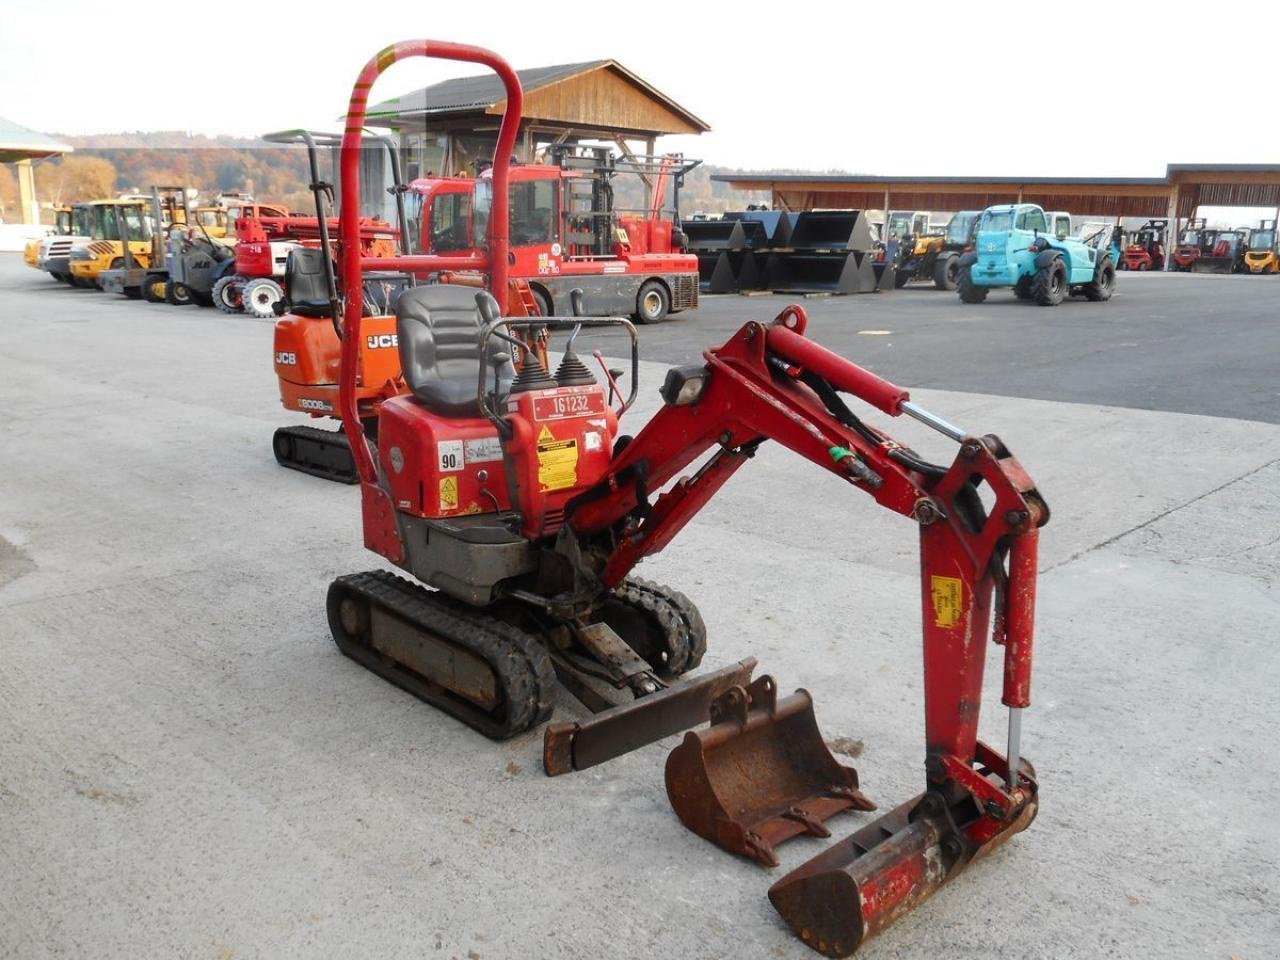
x: 1011, y: 89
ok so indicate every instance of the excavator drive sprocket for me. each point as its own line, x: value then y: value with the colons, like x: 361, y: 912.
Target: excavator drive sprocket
x: 662, y: 625
x: 321, y: 453
x: 491, y: 675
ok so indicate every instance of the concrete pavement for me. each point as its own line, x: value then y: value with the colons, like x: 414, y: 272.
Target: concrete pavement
x: 188, y: 767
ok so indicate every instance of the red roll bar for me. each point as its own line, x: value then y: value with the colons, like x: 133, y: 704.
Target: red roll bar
x: 353, y: 264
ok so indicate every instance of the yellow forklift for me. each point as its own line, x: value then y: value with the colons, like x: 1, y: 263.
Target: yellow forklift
x: 1263, y: 254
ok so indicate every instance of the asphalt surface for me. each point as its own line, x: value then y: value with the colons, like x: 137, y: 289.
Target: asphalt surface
x: 189, y: 768
x: 1180, y: 342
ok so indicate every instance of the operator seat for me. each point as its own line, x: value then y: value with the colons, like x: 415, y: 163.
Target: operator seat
x: 305, y: 284
x: 438, y: 327
x: 306, y: 287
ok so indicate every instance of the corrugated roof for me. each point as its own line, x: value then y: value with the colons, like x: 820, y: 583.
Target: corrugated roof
x: 19, y: 143
x: 474, y: 93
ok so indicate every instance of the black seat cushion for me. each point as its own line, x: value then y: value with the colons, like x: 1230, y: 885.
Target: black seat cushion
x: 305, y: 284
x: 307, y: 288
x: 439, y: 326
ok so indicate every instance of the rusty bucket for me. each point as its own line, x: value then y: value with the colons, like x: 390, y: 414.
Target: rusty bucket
x: 861, y: 885
x: 760, y: 774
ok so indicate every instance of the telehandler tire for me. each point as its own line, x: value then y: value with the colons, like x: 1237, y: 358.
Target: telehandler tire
x: 1022, y: 289
x: 946, y: 273
x: 1049, y: 286
x: 1104, y: 282
x: 970, y: 292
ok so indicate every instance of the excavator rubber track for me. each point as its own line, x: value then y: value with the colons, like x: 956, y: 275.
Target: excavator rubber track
x: 671, y: 615
x: 491, y: 675
x: 321, y: 453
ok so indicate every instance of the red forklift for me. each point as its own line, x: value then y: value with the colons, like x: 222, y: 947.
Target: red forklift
x: 1146, y: 252
x: 1191, y: 245
x: 567, y: 233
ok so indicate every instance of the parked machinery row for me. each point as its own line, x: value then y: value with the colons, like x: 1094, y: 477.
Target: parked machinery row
x: 567, y: 233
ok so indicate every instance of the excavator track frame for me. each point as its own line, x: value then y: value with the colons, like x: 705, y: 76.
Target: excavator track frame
x: 379, y: 630
x: 311, y: 450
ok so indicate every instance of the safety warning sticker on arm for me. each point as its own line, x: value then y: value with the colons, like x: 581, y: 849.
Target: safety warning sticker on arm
x: 948, y: 600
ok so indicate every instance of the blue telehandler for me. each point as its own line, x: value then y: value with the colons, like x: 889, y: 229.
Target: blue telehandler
x: 1014, y: 248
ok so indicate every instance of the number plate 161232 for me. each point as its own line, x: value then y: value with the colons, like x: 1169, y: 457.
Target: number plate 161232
x: 563, y: 405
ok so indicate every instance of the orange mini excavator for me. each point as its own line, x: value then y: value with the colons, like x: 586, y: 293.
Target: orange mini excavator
x: 307, y: 344
x: 519, y: 512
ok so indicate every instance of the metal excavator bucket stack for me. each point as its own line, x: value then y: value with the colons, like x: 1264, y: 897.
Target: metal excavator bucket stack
x: 760, y: 774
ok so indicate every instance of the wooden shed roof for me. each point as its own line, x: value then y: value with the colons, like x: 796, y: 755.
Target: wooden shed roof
x: 1195, y: 184
x: 594, y: 95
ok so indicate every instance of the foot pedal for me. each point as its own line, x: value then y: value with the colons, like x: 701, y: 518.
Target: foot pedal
x: 760, y: 774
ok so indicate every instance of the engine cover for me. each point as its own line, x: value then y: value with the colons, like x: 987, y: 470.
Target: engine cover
x: 438, y: 467
x: 562, y: 444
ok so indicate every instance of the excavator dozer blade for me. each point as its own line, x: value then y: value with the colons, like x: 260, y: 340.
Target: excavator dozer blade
x: 760, y: 774
x: 580, y: 744
x: 861, y: 885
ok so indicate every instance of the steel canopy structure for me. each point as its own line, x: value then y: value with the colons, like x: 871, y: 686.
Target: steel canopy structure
x: 21, y: 146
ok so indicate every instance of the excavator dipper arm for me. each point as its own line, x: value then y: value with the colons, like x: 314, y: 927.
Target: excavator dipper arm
x: 770, y: 382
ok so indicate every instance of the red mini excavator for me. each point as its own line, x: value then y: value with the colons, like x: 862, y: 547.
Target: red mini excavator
x: 505, y: 488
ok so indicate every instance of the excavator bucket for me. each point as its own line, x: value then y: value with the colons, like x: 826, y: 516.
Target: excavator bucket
x: 760, y: 774
x: 862, y: 884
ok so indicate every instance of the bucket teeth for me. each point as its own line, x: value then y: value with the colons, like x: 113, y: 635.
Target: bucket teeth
x: 760, y: 774
x: 813, y: 826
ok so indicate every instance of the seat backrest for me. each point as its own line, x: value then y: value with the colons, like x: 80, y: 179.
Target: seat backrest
x: 438, y: 327
x: 305, y: 284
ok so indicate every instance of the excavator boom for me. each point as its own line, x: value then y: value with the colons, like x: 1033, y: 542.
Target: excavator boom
x: 770, y: 382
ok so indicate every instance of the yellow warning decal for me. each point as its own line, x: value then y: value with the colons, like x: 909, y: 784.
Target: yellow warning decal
x: 448, y: 493
x: 948, y: 598
x: 557, y: 461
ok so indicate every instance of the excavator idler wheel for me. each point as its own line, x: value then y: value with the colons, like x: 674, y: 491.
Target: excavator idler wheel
x: 660, y: 624
x: 493, y: 676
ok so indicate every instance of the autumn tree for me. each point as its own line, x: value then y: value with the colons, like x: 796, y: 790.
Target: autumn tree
x: 75, y: 178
